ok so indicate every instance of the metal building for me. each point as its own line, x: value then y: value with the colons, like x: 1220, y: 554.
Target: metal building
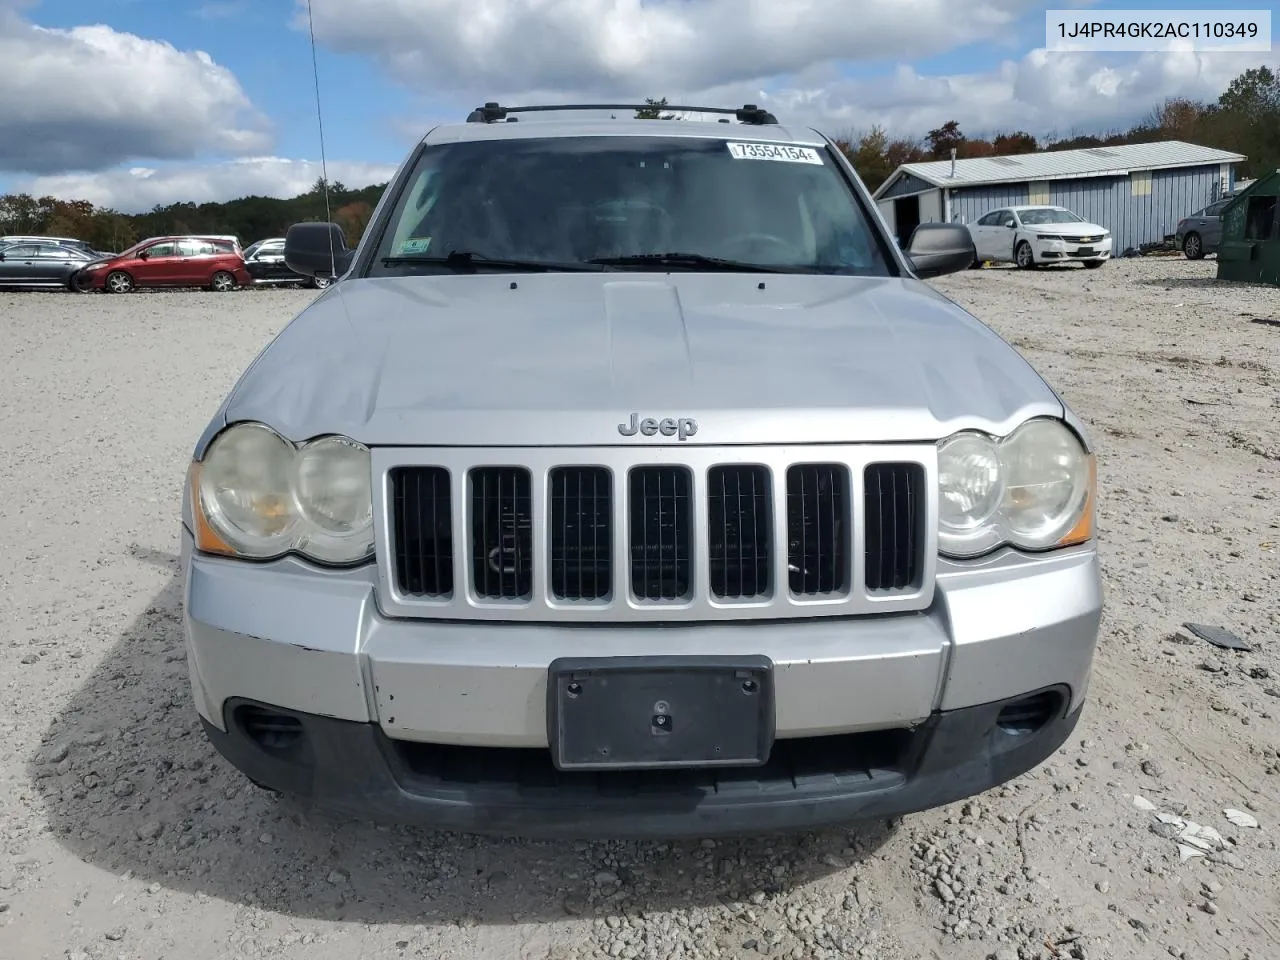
x: 1138, y: 191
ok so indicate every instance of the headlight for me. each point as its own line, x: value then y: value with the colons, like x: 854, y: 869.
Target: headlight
x: 258, y: 496
x: 1034, y: 489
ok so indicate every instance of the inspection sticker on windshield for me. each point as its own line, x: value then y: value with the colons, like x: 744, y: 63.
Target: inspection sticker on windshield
x: 413, y: 245
x: 774, y: 151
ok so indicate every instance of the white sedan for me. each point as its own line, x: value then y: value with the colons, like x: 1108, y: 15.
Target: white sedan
x: 1032, y: 235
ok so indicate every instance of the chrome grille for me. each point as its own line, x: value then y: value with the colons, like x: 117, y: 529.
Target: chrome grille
x: 625, y: 534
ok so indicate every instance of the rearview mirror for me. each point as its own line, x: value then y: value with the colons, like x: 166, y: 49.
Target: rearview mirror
x: 939, y: 248
x: 317, y: 250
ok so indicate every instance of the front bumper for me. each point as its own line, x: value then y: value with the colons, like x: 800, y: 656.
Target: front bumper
x: 314, y: 644
x: 353, y: 768
x: 1063, y: 251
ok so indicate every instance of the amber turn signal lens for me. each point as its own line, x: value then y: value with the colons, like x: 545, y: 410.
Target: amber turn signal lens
x: 206, y: 539
x: 1083, y: 530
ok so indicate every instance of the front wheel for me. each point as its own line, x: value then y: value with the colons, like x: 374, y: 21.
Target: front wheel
x: 78, y: 283
x: 320, y: 283
x: 1023, y: 256
x: 1192, y: 248
x: 119, y: 282
x: 221, y: 282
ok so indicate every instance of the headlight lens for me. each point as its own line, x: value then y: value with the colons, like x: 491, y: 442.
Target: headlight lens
x: 335, y: 497
x: 1033, y: 489
x: 256, y: 495
x: 1046, y: 481
x: 969, y: 492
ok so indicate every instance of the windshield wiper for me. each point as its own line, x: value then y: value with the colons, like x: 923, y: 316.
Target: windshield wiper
x: 695, y: 260
x: 468, y: 260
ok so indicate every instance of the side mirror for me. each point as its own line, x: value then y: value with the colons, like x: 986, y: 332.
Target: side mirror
x: 1, y: 256
x: 317, y: 250
x: 939, y: 248
x: 143, y: 254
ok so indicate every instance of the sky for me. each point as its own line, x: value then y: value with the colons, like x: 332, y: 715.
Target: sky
x: 134, y: 103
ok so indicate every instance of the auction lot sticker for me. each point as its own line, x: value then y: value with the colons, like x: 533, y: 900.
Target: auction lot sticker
x: 774, y: 151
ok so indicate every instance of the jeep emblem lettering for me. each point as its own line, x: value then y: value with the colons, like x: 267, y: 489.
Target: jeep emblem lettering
x: 682, y: 428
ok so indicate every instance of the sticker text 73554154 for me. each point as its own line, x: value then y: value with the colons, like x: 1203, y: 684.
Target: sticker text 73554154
x: 774, y: 151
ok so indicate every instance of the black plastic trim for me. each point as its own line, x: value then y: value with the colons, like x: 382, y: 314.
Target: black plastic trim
x: 354, y: 769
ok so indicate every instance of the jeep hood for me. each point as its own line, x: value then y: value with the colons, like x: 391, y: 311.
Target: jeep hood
x: 563, y: 359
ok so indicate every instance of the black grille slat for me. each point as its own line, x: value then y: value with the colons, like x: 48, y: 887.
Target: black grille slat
x: 581, y: 533
x: 661, y: 529
x: 738, y: 531
x: 817, y: 528
x: 422, y: 516
x: 501, y: 533
x: 893, y: 504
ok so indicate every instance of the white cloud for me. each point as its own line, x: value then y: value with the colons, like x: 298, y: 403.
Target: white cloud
x: 1043, y: 93
x: 787, y: 55
x: 623, y: 46
x: 92, y: 97
x: 140, y: 188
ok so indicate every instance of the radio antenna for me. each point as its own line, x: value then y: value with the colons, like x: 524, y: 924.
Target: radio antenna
x: 324, y: 168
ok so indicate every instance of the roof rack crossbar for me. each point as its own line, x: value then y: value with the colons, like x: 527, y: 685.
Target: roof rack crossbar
x: 492, y: 111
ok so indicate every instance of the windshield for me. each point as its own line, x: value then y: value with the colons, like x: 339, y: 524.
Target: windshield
x: 1041, y: 215
x: 577, y: 200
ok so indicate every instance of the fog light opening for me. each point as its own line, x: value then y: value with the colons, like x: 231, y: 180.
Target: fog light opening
x: 270, y: 729
x: 1029, y: 714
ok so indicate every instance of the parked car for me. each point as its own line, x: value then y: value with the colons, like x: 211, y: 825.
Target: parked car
x: 265, y: 263
x: 42, y: 264
x: 1034, y: 235
x: 185, y: 261
x: 637, y: 485
x: 1201, y: 232
x: 82, y: 245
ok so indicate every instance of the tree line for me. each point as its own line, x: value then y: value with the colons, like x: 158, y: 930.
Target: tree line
x: 249, y: 218
x: 1244, y: 119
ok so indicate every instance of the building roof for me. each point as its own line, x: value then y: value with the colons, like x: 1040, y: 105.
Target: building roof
x: 1063, y: 164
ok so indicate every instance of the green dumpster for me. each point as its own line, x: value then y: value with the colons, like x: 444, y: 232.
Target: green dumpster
x: 1250, y: 246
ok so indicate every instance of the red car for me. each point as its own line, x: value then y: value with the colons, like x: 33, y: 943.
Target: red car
x: 214, y: 263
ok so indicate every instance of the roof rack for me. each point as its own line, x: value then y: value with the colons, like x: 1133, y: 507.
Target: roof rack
x: 492, y: 112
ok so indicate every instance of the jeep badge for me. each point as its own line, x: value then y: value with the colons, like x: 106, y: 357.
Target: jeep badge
x: 681, y: 429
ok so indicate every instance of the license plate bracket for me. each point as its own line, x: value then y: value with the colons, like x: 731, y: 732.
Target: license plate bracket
x: 608, y: 713
x: 1085, y: 252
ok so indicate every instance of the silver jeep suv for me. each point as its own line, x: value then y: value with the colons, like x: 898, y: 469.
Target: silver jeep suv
x: 629, y: 481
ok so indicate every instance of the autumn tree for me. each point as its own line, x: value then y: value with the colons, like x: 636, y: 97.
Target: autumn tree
x: 353, y: 218
x: 1012, y: 144
x: 940, y: 141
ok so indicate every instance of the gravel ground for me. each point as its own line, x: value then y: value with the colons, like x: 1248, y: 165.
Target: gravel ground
x: 124, y: 835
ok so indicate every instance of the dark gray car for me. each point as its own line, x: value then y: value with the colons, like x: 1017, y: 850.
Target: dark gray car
x: 1201, y: 232
x: 41, y: 264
